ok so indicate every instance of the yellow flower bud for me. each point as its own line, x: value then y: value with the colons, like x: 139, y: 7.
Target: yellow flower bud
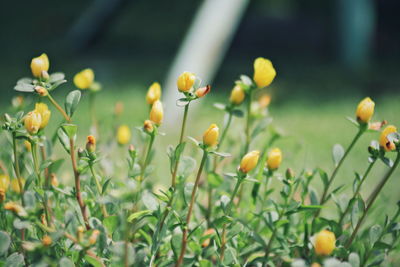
x: 44, y: 112
x: 264, y: 72
x: 91, y: 143
x: 41, y: 91
x: 14, y: 184
x: 264, y: 101
x: 93, y: 237
x: 207, y: 232
x: 315, y: 264
x: 39, y: 65
x: 54, y: 180
x: 185, y: 81
x: 237, y: 95
x: 324, y: 243
x: 365, y: 110
x: 154, y: 93
x: 46, y: 240
x: 210, y: 136
x: 249, y: 161
x: 118, y: 108
x: 2, y: 195
x: 203, y: 91
x: 384, y: 141
x: 16, y: 208
x: 148, y: 126
x: 157, y: 113
x: 32, y: 122
x: 4, y: 181
x: 123, y: 134
x: 84, y: 79
x: 28, y: 145
x: 274, y: 159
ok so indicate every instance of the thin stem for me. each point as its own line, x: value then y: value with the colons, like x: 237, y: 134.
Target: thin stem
x: 357, y: 190
x: 185, y: 114
x: 189, y: 214
x: 59, y: 108
x: 46, y: 170
x: 372, y: 199
x: 78, y: 184
x: 99, y: 189
x: 17, y: 169
x: 228, y: 212
x: 335, y: 171
x: 39, y: 177
x: 248, y: 118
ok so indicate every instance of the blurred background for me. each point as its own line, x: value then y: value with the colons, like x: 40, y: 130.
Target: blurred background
x: 328, y: 56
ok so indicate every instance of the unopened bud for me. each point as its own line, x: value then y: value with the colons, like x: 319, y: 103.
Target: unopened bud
x: 203, y: 91
x: 81, y: 152
x: 148, y: 126
x: 91, y: 144
x: 54, y: 180
x: 45, y: 75
x: 43, y: 219
x: 290, y: 174
x: 41, y: 91
x: 46, y: 240
x: 93, y: 237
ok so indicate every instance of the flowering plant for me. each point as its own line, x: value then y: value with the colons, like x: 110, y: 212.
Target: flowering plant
x: 224, y: 211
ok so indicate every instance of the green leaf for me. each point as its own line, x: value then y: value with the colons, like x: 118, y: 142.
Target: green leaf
x: 72, y: 101
x: 374, y: 234
x: 93, y: 261
x: 221, y: 154
x: 69, y: 129
x: 65, y: 262
x: 223, y: 220
x: 24, y: 85
x: 139, y: 215
x: 56, y: 76
x: 337, y: 153
x: 357, y: 209
x: 214, y: 179
x: 205, y: 263
x: 220, y: 106
x: 63, y: 138
x: 354, y: 259
x: 237, y: 113
x: 324, y: 177
x: 313, y: 197
x: 15, y: 260
x: 111, y: 223
x: 5, y: 242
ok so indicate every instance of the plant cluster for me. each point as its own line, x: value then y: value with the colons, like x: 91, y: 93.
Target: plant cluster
x: 233, y: 207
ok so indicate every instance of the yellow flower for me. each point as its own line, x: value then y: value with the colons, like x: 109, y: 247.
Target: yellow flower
x: 15, y: 185
x: 157, y: 113
x: 185, y: 81
x: 46, y: 240
x: 154, y: 93
x: 383, y: 140
x: 324, y: 243
x: 148, y: 126
x: 274, y: 159
x: 39, y: 65
x: 91, y: 143
x: 84, y: 79
x: 44, y: 112
x: 4, y: 182
x: 264, y: 101
x: 123, y: 134
x: 203, y: 91
x: 365, y: 110
x: 208, y: 232
x: 249, y: 161
x: 32, y: 122
x: 264, y: 72
x: 237, y: 95
x: 16, y: 208
x: 210, y: 136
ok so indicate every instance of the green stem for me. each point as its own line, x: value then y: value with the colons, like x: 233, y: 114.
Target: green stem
x: 228, y: 212
x: 372, y: 199
x: 335, y: 171
x: 357, y: 190
x: 185, y: 114
x: 99, y: 189
x: 248, y: 119
x: 147, y: 157
x: 59, y: 108
x: 189, y: 214
x: 16, y: 167
x: 40, y: 182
